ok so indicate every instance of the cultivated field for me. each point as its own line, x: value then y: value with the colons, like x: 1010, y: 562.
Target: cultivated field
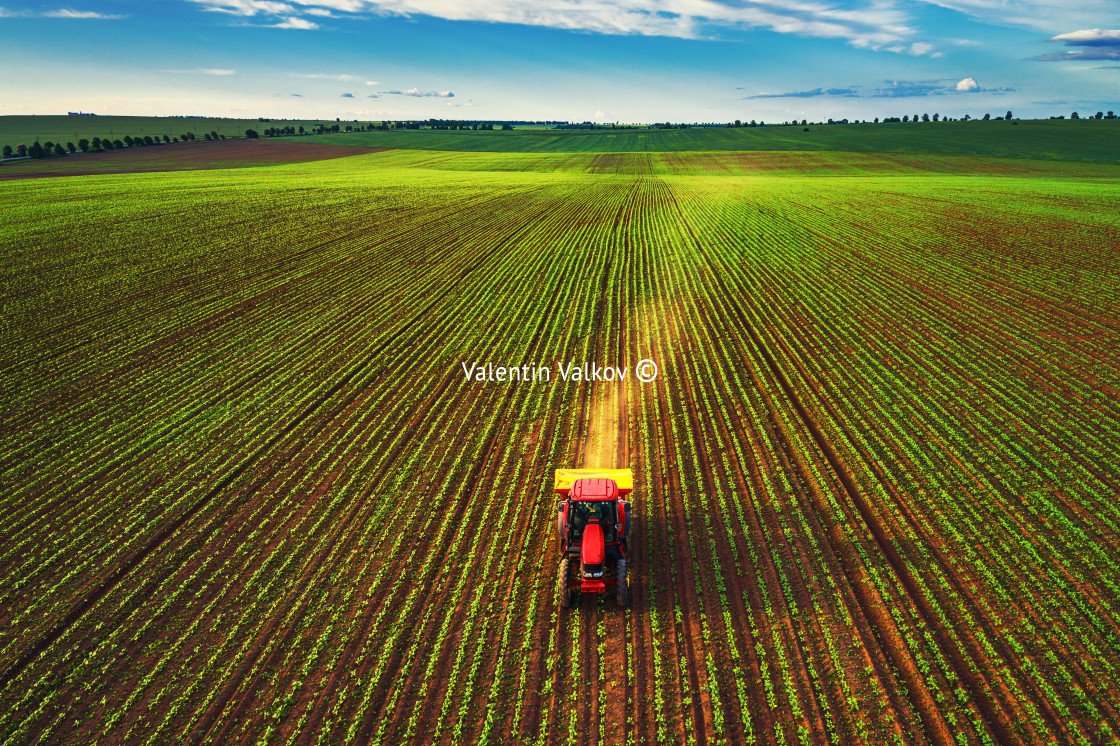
x: 1083, y: 139
x: 181, y: 156
x: 248, y: 494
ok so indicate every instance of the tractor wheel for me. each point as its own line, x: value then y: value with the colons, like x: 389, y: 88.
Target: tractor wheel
x: 562, y: 585
x: 623, y: 589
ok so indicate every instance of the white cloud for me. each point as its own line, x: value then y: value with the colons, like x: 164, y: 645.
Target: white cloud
x: 417, y: 93
x: 296, y: 23
x: 202, y: 71
x: 70, y: 13
x: 1047, y: 15
x: 246, y: 7
x: 1091, y: 44
x: 967, y: 85
x: 371, y: 82
x: 1093, y: 37
x: 324, y: 76
x: 342, y: 6
x: 873, y: 25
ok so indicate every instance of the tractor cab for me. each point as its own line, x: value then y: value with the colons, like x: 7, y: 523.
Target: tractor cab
x: 593, y: 513
x: 593, y: 526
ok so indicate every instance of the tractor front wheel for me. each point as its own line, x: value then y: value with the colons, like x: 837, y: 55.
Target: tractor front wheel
x: 623, y: 589
x: 562, y: 585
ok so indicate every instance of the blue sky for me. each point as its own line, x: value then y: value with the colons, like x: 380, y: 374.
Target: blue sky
x: 602, y: 60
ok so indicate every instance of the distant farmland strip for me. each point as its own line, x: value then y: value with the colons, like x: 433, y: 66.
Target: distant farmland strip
x: 182, y: 156
x: 1067, y: 140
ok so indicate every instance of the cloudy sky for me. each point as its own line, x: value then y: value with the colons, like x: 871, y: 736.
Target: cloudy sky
x: 605, y: 60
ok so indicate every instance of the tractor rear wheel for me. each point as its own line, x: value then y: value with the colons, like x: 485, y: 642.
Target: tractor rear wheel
x: 562, y: 585
x: 623, y: 589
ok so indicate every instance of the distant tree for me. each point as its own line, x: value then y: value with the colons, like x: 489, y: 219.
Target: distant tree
x: 189, y: 136
x: 118, y: 144
x: 251, y: 135
x: 8, y: 151
x: 59, y: 150
x: 1100, y: 115
x: 106, y: 144
x: 36, y: 150
x: 987, y: 117
x: 167, y: 138
x: 206, y: 136
x: 1007, y: 116
x: 906, y: 118
x: 876, y: 120
x: 1110, y: 115
x: 301, y: 130
x: 738, y: 123
x: 967, y: 117
x: 222, y: 136
x: 71, y: 147
x: 925, y: 117
x: 148, y: 140
x: 1074, y: 116
x: 21, y: 150
x: 97, y: 143
x: 507, y: 126
x: 936, y: 117
x: 128, y: 140
x: 84, y: 145
x: 804, y: 129
x: 213, y: 134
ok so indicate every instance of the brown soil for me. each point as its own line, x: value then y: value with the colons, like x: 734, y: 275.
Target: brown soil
x: 180, y: 156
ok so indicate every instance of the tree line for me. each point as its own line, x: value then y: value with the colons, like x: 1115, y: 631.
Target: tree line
x: 51, y: 149
x: 936, y: 117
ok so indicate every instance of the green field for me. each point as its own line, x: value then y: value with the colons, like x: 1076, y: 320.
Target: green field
x: 1084, y: 140
x: 251, y: 496
x: 1087, y: 140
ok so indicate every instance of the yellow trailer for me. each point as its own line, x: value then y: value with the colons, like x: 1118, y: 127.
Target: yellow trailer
x: 624, y: 478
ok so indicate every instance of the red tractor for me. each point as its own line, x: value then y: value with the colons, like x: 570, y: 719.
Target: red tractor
x: 593, y: 525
